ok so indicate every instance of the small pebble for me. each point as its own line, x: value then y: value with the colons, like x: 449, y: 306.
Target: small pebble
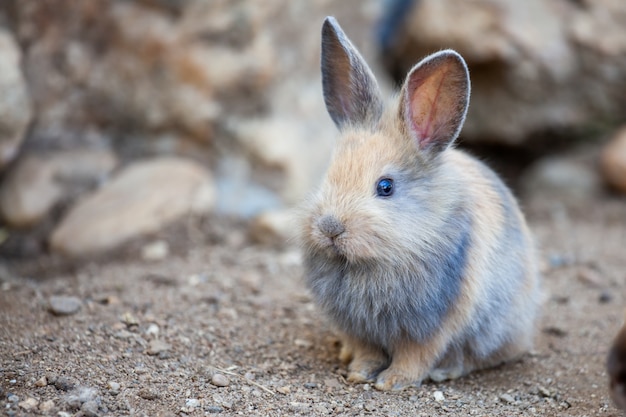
x: 284, y: 390
x: 129, y: 319
x: 114, y: 387
x: 192, y: 403
x: 438, y: 395
x: 41, y: 382
x: 28, y: 404
x: 555, y: 331
x: 157, y: 346
x: 46, y: 406
x: 220, y: 380
x: 507, y: 398
x: 12, y: 398
x: 544, y: 392
x: 64, y: 305
x: 605, y: 297
x: 153, y: 330
x: 155, y: 251
x: 65, y: 383
x: 310, y: 385
x: 214, y: 409
x: 148, y: 394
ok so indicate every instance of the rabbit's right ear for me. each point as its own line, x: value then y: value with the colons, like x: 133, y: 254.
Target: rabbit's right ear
x: 351, y: 92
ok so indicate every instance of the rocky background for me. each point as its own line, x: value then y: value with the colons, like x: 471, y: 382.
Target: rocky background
x: 120, y: 117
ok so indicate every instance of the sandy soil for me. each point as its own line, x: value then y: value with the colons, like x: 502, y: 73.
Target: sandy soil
x: 150, y: 337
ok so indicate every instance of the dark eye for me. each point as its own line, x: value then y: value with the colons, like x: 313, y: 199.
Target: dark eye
x: 384, y: 188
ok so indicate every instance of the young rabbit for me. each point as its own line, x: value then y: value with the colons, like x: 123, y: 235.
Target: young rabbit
x: 616, y: 366
x: 416, y: 251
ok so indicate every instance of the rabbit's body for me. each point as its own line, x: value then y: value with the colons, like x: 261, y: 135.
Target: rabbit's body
x: 439, y: 277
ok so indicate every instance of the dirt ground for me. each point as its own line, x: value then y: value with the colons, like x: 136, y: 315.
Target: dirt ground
x: 151, y: 336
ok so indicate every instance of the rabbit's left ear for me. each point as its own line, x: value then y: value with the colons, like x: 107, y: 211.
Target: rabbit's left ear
x: 351, y: 92
x: 434, y: 100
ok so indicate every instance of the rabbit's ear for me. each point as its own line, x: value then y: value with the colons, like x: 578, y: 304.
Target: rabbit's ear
x: 434, y: 100
x: 351, y: 92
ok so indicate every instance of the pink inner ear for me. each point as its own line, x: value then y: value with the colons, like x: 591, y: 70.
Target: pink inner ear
x: 433, y: 103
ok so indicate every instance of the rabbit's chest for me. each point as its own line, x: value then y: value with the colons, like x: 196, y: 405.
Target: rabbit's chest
x: 383, y: 305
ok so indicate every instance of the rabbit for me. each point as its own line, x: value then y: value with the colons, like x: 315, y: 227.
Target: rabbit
x: 616, y: 367
x: 416, y: 251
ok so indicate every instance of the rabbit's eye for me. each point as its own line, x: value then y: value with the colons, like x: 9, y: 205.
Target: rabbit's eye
x: 384, y: 188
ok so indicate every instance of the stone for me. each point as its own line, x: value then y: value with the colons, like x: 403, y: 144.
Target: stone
x: 65, y: 383
x: 39, y: 182
x: 274, y: 228
x: 507, y: 398
x: 28, y: 404
x: 438, y: 396
x: 41, y: 382
x: 562, y: 76
x: 155, y: 251
x: 46, y: 406
x: 15, y: 104
x: 220, y: 380
x: 142, y: 199
x: 28, y: 193
x: 569, y: 177
x: 64, y: 305
x: 613, y: 161
x: 114, y: 387
x: 157, y: 346
x: 148, y: 394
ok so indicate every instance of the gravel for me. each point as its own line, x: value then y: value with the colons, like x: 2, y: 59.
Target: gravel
x: 273, y: 347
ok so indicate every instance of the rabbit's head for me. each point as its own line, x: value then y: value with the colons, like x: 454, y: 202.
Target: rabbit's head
x: 387, y: 189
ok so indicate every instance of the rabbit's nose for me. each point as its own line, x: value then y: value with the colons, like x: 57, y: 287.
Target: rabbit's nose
x: 330, y: 226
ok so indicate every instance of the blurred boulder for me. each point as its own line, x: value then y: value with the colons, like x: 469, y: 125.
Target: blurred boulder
x: 15, y: 105
x: 570, y: 177
x: 537, y: 66
x: 38, y: 182
x: 274, y: 228
x: 613, y: 161
x: 141, y: 199
x: 133, y: 66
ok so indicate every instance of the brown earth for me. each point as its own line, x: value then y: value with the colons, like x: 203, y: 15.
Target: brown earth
x: 223, y: 306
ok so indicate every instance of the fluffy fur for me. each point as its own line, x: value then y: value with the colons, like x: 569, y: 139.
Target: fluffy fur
x: 439, y: 278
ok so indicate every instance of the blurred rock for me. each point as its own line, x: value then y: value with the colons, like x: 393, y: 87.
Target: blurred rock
x: 613, y: 161
x: 571, y: 177
x: 141, y: 199
x: 275, y: 228
x: 537, y: 66
x: 15, y: 105
x: 130, y: 65
x: 38, y: 183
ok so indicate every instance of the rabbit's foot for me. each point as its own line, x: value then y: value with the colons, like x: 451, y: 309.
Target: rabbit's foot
x: 365, y: 370
x: 394, y: 379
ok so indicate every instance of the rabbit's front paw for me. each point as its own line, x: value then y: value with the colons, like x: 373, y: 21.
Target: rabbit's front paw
x: 393, y: 379
x: 365, y: 370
